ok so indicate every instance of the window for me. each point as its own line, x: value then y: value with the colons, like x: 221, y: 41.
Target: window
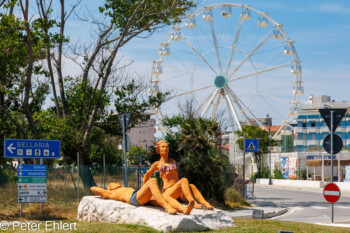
x: 313, y: 124
x: 304, y: 125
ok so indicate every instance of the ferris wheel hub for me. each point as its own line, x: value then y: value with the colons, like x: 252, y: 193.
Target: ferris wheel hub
x: 220, y: 82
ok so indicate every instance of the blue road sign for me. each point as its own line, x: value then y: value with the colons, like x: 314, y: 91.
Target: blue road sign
x: 26, y: 148
x: 31, y: 173
x: 31, y: 167
x: 251, y: 145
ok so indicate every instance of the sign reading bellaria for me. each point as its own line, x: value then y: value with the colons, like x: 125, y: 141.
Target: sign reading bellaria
x: 38, y: 149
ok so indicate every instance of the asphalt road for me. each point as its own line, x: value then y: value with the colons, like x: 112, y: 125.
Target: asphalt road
x: 307, y: 206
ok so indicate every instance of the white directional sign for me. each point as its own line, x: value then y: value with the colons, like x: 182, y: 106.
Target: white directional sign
x: 32, y: 183
x: 32, y: 192
x: 25, y: 186
x: 32, y: 199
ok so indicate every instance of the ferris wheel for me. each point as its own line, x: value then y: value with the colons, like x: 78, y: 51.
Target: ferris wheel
x: 233, y: 59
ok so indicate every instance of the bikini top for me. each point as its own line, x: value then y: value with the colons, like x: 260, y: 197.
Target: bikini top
x: 165, y: 167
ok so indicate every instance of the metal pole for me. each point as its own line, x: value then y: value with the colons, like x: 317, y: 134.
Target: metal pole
x: 138, y: 171
x: 244, y: 169
x: 339, y: 177
x: 21, y: 208
x: 41, y: 204
x: 322, y: 166
x: 270, y: 182
x: 332, y: 150
x: 125, y: 146
x: 104, y: 171
x: 78, y: 175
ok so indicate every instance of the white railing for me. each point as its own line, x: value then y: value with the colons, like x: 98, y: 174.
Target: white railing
x: 324, y: 129
x: 341, y: 129
x: 313, y: 142
x: 300, y: 143
x: 311, y: 130
x: 300, y: 130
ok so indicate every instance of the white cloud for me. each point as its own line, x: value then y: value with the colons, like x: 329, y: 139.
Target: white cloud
x: 332, y: 8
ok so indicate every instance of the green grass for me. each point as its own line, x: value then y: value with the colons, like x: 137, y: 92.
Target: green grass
x: 84, y: 227
x: 267, y: 226
x: 243, y: 225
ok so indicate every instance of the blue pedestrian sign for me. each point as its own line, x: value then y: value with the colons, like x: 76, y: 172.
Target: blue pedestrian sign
x: 251, y: 145
x: 27, y: 148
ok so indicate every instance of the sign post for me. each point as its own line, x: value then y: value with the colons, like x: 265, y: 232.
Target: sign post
x: 250, y: 145
x: 32, y: 178
x: 333, y: 117
x: 124, y: 119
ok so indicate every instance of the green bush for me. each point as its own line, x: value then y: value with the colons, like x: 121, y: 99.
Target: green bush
x: 265, y: 173
x: 234, y: 199
x: 206, y: 172
x: 7, y: 174
x: 303, y: 174
x: 277, y: 173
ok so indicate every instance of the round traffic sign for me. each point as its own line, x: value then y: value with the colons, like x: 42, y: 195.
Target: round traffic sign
x: 337, y: 144
x: 331, y: 193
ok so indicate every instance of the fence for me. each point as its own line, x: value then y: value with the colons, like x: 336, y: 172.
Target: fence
x: 63, y: 183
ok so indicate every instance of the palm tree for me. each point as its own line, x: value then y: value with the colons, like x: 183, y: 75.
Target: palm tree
x: 199, y: 135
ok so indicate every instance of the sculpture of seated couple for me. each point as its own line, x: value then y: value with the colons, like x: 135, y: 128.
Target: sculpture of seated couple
x: 173, y: 190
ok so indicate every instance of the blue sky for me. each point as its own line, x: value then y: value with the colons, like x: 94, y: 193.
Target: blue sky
x: 320, y: 30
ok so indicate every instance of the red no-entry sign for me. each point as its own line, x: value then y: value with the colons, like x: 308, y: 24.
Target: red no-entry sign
x: 331, y: 193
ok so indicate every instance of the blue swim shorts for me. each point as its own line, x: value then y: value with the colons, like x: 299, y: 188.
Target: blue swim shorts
x: 133, y: 200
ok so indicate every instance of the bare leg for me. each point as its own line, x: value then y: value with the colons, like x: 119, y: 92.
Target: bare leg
x: 195, y: 192
x: 149, y: 189
x: 185, y: 188
x: 175, y: 192
x: 101, y: 192
x: 183, y: 199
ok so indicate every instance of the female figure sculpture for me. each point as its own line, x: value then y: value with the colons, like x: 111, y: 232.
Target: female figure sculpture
x: 148, y: 191
x: 173, y: 188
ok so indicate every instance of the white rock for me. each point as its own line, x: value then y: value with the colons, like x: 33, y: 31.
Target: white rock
x: 97, y: 209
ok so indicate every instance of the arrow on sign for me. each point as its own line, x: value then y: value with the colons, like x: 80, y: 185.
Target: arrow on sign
x: 20, y: 173
x: 10, y: 148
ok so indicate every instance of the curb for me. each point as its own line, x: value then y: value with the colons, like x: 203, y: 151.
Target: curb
x: 276, y: 213
x: 266, y: 215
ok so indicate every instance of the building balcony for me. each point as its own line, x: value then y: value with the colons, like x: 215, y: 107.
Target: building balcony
x: 313, y: 142
x: 300, y: 130
x: 324, y: 129
x: 313, y: 130
x: 341, y: 129
x: 299, y: 143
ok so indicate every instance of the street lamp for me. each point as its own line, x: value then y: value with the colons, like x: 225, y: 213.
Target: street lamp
x: 267, y: 123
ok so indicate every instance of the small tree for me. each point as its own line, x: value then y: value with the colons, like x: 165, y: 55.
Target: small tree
x: 254, y: 132
x: 134, y: 153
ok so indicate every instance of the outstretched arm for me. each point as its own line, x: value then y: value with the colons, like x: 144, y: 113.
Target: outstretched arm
x: 150, y: 172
